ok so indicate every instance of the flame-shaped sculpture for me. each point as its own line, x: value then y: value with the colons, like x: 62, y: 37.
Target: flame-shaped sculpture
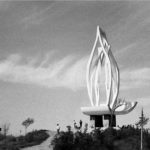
x: 101, y: 58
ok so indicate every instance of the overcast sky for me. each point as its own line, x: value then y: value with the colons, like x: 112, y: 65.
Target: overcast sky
x: 44, y: 48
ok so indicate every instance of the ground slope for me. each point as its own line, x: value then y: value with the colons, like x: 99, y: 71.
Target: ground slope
x: 43, y: 146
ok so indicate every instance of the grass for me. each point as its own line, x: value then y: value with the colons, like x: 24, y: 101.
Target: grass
x: 30, y: 139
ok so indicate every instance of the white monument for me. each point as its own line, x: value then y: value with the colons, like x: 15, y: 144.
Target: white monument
x: 102, y: 66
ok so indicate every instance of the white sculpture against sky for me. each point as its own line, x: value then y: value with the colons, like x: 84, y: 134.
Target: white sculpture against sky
x: 102, y: 59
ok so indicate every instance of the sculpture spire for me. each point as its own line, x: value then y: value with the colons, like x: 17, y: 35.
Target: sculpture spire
x: 102, y: 60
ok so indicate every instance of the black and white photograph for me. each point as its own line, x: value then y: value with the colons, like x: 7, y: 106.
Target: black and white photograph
x: 74, y: 75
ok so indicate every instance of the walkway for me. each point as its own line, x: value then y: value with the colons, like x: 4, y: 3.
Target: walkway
x: 43, y: 146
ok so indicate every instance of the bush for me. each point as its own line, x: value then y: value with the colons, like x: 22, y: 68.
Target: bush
x: 31, y: 139
x: 11, y: 138
x: 126, y: 138
x: 8, y: 146
x: 36, y: 137
x: 2, y: 137
x: 64, y: 141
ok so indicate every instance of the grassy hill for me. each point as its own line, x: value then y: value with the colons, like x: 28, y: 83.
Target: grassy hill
x: 15, y: 143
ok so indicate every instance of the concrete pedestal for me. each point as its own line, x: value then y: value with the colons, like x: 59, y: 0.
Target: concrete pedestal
x: 98, y: 120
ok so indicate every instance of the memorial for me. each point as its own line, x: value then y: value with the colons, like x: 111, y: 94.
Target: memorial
x: 103, y: 84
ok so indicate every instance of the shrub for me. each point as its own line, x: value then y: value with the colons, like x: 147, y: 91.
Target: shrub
x: 2, y: 137
x: 9, y: 146
x: 63, y: 141
x: 126, y: 138
x: 33, y: 138
x: 15, y: 143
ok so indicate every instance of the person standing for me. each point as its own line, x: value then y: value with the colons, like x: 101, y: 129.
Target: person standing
x: 80, y: 122
x: 58, y: 128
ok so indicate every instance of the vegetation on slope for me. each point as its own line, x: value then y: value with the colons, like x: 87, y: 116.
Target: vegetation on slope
x: 124, y: 138
x: 30, y: 139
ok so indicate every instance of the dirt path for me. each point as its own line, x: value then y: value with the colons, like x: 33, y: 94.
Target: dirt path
x: 43, y: 146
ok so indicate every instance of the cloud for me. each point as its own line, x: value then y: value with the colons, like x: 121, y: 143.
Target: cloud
x: 144, y: 102
x: 62, y: 73
x: 136, y: 78
x: 36, y: 16
x: 5, y: 5
x: 126, y: 49
x: 76, y: 72
x: 68, y: 72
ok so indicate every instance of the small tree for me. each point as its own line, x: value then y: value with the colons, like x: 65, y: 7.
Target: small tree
x: 26, y: 123
x: 117, y: 104
x: 142, y: 120
x: 5, y: 128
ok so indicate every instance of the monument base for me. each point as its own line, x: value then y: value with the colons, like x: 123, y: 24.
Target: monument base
x: 104, y: 110
x: 98, y: 120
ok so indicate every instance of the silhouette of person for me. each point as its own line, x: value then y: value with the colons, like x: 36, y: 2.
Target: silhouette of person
x: 58, y: 128
x: 80, y: 122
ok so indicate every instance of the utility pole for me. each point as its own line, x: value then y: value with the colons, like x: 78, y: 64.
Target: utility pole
x: 142, y: 115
